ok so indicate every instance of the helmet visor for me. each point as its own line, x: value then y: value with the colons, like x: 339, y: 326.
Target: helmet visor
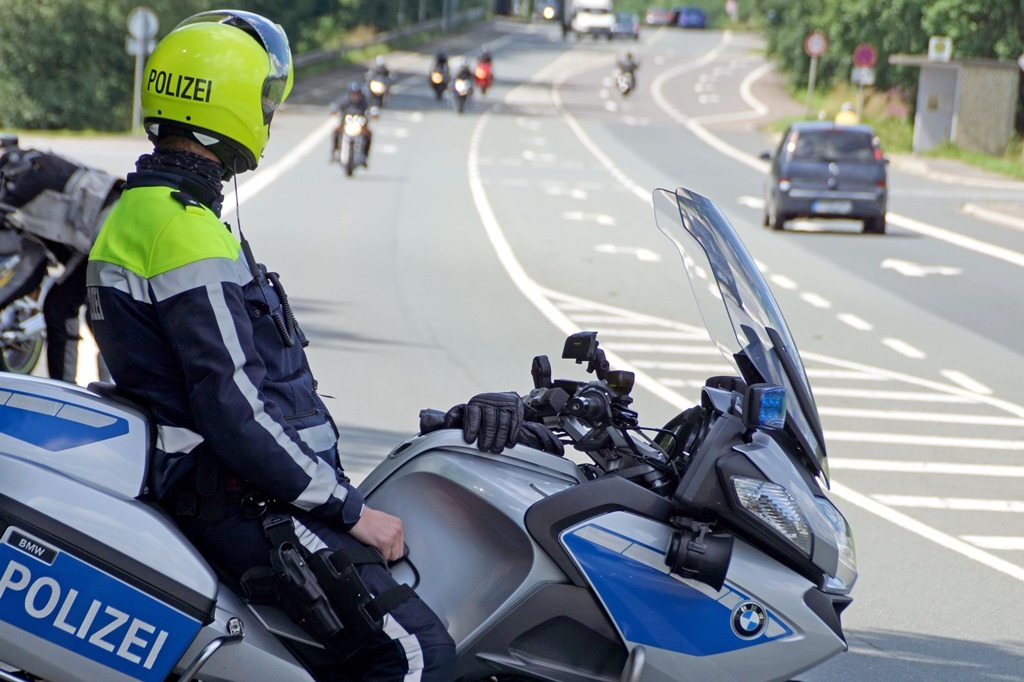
x: 273, y: 39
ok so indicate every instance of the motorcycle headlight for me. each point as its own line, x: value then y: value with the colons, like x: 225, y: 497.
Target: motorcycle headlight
x: 436, y: 77
x: 846, y: 574
x: 354, y: 125
x: 461, y: 86
x: 773, y: 506
x: 549, y: 12
x: 377, y: 88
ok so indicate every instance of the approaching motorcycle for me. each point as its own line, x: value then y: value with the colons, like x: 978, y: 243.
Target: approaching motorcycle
x: 483, y: 74
x: 439, y: 81
x: 706, y: 550
x: 351, y: 150
x: 462, y: 90
x: 379, y: 87
x: 625, y: 81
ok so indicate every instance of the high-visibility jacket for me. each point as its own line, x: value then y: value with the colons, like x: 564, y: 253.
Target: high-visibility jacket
x: 187, y: 328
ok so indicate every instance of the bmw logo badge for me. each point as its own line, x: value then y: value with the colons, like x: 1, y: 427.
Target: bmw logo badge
x: 749, y: 620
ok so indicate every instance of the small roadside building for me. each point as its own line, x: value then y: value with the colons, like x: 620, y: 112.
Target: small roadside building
x: 969, y: 102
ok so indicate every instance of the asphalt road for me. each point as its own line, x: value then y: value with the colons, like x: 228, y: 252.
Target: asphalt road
x: 476, y: 241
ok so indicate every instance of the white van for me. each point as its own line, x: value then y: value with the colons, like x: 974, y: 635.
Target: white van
x: 592, y: 17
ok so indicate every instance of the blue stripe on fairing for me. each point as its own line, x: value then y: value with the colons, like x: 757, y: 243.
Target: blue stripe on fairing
x: 653, y: 608
x: 51, y: 431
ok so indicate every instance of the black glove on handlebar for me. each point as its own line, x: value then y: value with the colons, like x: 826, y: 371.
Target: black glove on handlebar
x: 536, y: 435
x: 488, y: 409
x: 493, y: 420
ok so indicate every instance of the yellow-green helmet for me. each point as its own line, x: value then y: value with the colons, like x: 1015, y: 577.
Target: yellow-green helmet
x: 218, y: 77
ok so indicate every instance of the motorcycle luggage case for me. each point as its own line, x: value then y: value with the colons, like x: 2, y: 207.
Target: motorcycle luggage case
x: 92, y: 580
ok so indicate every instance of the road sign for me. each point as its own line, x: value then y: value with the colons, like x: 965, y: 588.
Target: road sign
x: 816, y: 44
x: 142, y: 23
x: 133, y: 45
x: 862, y: 75
x: 864, y: 55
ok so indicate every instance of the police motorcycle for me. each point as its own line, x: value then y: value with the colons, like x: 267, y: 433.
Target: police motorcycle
x: 27, y: 272
x: 40, y: 241
x: 707, y: 550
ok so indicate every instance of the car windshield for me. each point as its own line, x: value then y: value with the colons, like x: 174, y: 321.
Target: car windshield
x: 831, y: 145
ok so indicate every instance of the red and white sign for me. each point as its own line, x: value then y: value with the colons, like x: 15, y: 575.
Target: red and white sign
x: 816, y: 44
x: 864, y: 55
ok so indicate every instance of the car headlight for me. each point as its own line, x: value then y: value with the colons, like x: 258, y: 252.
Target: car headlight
x: 775, y: 507
x: 846, y: 574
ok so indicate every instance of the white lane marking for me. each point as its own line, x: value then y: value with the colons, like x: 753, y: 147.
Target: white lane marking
x: 651, y: 334
x: 909, y: 269
x: 581, y: 216
x: 929, y: 468
x: 815, y: 300
x: 996, y: 542
x: 855, y: 322
x: 952, y: 504
x: 845, y: 374
x: 927, y: 532
x: 641, y: 254
x: 992, y: 216
x: 903, y: 396
x: 750, y: 202
x: 937, y: 417
x: 667, y: 350
x: 925, y: 440
x: 967, y: 382
x: 705, y: 368
x: 904, y: 348
x: 783, y: 282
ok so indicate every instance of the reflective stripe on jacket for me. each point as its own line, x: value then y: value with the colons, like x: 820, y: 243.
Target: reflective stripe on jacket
x: 186, y: 328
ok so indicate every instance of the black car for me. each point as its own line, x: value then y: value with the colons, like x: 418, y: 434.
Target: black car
x: 824, y: 170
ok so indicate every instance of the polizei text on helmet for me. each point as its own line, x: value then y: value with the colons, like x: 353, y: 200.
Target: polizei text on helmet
x: 177, y: 85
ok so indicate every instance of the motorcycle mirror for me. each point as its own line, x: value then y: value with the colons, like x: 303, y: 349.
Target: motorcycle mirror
x: 374, y: 112
x: 541, y: 372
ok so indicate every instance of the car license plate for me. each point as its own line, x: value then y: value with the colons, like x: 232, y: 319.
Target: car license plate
x: 832, y: 206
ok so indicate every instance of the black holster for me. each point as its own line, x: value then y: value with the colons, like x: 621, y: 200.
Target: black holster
x: 324, y: 592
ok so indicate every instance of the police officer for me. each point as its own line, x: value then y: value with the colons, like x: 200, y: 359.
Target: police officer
x: 194, y: 328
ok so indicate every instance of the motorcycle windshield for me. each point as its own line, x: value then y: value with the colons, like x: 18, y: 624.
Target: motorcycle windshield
x: 739, y: 311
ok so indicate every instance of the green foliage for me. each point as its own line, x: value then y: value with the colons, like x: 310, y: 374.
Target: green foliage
x: 989, y: 29
x: 63, y: 63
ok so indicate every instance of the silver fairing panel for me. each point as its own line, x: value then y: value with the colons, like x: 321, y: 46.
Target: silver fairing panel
x: 470, y: 554
x: 689, y: 630
x: 69, y: 429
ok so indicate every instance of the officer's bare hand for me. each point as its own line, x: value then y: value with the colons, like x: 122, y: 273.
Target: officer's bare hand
x: 381, y: 530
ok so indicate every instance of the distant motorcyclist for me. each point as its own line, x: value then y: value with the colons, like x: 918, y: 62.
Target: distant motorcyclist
x: 378, y: 81
x: 484, y: 72
x: 627, y: 64
x: 464, y: 71
x: 354, y: 102
x: 379, y: 70
x: 439, y: 76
